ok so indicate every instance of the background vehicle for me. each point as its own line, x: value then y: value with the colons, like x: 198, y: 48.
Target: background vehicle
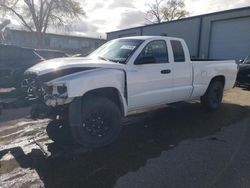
x: 243, y: 77
x: 14, y: 60
x: 50, y: 54
x: 123, y: 77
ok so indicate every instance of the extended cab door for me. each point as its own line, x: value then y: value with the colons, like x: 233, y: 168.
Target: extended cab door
x: 149, y: 82
x: 182, y: 70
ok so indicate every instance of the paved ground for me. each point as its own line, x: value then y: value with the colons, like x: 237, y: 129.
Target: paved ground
x: 179, y: 146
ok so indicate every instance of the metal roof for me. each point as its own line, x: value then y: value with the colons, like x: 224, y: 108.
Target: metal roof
x: 183, y: 19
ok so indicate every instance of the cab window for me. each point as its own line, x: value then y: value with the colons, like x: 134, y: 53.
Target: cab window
x: 178, y: 51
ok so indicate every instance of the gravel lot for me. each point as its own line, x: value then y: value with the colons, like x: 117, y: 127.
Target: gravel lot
x: 178, y: 146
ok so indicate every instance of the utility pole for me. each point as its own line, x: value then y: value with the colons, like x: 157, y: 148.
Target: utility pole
x: 2, y: 27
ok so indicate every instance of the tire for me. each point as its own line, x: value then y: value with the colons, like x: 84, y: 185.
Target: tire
x: 101, y: 122
x: 213, y: 96
x: 59, y: 132
x: 38, y: 111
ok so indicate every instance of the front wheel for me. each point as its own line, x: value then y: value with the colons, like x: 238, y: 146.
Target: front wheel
x: 101, y: 122
x: 213, y: 96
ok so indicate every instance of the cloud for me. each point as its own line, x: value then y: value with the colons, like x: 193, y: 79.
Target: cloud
x: 132, y: 18
x: 122, y: 4
x: 99, y: 21
x: 94, y: 5
x: 197, y: 7
x: 99, y: 5
x: 86, y: 28
x: 83, y: 26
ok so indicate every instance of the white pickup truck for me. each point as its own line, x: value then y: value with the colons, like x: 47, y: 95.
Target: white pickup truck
x: 123, y: 77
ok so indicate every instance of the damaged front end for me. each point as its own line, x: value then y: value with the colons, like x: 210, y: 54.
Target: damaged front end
x: 42, y: 89
x: 45, y: 87
x: 33, y: 88
x: 56, y: 95
x: 48, y: 99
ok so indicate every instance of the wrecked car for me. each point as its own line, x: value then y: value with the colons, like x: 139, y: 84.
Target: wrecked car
x: 124, y: 77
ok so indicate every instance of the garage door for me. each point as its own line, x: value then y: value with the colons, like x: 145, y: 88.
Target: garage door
x: 230, y: 39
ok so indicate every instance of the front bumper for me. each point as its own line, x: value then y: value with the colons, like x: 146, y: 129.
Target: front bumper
x: 54, y: 101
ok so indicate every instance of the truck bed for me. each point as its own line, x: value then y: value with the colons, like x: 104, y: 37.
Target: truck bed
x: 204, y: 71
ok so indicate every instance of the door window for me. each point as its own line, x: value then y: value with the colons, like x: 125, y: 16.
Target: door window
x: 154, y: 52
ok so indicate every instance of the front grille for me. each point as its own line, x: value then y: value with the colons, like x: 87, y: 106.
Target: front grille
x: 32, y: 87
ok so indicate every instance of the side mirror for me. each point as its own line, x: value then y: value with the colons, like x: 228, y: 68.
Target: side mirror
x: 145, y: 60
x: 241, y: 61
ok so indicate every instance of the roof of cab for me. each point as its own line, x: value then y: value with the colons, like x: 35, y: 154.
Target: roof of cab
x: 148, y: 37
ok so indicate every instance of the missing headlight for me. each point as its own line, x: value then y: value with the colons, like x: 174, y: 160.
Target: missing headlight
x: 48, y: 89
x: 61, y: 89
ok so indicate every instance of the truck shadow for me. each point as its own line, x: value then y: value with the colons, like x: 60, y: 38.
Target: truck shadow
x: 143, y: 137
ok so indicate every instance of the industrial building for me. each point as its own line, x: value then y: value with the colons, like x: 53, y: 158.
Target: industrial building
x: 220, y: 35
x: 68, y: 43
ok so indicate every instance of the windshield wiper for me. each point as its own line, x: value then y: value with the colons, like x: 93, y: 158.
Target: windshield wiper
x: 103, y: 58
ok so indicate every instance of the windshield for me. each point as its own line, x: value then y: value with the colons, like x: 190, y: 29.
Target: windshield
x: 117, y: 50
x: 247, y: 60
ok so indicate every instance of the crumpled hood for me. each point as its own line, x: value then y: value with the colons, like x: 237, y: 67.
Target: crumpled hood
x: 59, y: 64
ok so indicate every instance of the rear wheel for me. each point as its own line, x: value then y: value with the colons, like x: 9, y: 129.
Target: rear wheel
x: 101, y: 122
x: 213, y: 96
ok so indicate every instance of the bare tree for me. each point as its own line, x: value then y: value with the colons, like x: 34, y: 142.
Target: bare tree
x: 174, y: 9
x: 166, y: 10
x: 154, y: 15
x: 38, y: 15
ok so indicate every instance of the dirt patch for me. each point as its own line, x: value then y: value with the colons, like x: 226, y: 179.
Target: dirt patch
x: 6, y: 90
x: 144, y: 136
x: 11, y: 116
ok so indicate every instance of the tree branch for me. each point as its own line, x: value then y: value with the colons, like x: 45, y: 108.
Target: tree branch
x: 49, y: 9
x: 32, y: 10
x: 18, y: 15
x: 37, y: 15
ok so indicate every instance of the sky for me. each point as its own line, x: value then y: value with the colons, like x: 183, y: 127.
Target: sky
x: 109, y: 15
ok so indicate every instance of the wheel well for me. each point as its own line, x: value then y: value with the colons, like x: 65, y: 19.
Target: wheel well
x: 219, y: 78
x: 108, y: 92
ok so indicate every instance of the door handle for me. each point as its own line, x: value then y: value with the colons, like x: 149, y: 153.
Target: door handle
x: 167, y: 71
